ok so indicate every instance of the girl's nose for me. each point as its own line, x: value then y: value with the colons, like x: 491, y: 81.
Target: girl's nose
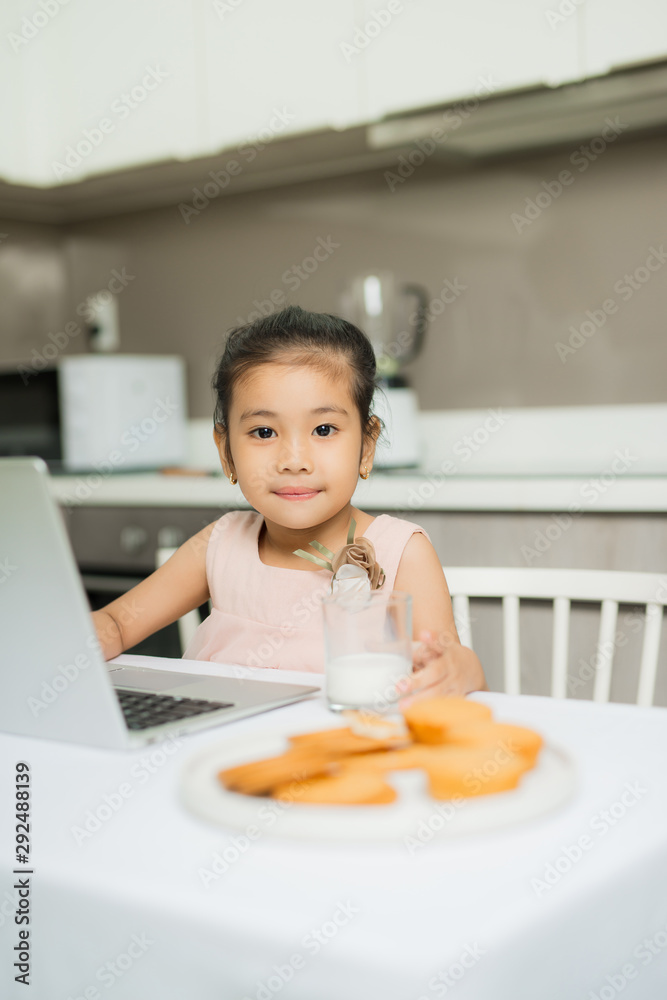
x: 295, y: 457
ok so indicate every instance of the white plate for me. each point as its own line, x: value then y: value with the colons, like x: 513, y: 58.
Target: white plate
x: 548, y: 785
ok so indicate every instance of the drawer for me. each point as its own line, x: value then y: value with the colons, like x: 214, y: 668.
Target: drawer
x: 125, y: 539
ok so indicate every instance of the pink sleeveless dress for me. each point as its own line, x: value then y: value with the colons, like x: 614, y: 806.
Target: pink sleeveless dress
x: 268, y: 616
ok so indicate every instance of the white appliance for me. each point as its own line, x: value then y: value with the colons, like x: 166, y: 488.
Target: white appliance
x: 122, y: 411
x: 394, y: 317
x: 399, y: 446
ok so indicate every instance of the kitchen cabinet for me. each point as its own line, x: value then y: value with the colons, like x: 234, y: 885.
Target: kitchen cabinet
x: 616, y: 33
x: 105, y: 87
x: 130, y: 88
x: 432, y: 53
x: 101, y: 87
x: 27, y: 119
x: 277, y: 69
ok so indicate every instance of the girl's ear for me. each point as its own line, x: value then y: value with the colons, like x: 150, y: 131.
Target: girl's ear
x: 220, y: 438
x: 370, y: 442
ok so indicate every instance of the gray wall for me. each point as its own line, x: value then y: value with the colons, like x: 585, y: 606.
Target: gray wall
x: 494, y: 345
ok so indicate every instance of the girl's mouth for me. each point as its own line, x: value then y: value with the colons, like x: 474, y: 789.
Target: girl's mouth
x: 296, y: 493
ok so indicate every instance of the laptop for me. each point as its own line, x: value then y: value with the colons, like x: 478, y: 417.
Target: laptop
x: 54, y: 682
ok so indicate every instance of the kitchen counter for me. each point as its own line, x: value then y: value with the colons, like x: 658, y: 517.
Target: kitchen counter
x: 405, y: 492
x: 573, y: 459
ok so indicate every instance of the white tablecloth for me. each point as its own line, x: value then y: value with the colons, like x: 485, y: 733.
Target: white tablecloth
x: 571, y: 905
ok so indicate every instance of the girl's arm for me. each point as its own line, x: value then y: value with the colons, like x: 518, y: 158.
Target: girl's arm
x: 170, y: 592
x: 443, y: 666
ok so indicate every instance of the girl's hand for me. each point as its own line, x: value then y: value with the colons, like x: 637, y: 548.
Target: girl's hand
x: 442, y: 666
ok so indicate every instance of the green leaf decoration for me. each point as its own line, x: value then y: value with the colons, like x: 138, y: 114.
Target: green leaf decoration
x: 314, y: 559
x: 323, y: 549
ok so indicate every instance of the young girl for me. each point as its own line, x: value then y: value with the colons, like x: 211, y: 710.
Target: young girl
x: 294, y: 430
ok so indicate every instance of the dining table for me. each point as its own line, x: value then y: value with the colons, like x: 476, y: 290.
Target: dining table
x: 137, y: 894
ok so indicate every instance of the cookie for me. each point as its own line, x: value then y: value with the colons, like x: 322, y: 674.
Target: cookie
x: 430, y: 718
x: 471, y: 771
x: 365, y: 723
x: 516, y: 739
x: 341, y: 741
x: 260, y: 776
x: 387, y: 760
x: 346, y: 788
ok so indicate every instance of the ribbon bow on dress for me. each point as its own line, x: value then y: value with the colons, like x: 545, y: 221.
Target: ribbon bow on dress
x: 355, y: 570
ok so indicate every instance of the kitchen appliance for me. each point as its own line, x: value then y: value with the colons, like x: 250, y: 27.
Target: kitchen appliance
x: 97, y: 413
x: 394, y: 316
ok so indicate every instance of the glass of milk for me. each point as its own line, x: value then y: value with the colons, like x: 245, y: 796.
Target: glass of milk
x: 368, y: 647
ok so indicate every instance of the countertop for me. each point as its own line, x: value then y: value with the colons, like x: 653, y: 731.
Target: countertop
x: 573, y: 459
x: 399, y: 493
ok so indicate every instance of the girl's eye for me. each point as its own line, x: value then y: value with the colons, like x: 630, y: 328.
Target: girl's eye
x: 265, y: 433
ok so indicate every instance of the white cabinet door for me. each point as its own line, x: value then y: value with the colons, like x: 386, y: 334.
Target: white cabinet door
x: 277, y: 68
x: 127, y: 88
x: 30, y: 67
x: 101, y: 86
x: 621, y: 32
x: 434, y: 51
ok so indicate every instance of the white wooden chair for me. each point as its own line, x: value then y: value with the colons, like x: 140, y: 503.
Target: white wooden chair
x: 561, y: 587
x: 189, y: 623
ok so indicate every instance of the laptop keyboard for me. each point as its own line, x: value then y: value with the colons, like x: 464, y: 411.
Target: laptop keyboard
x: 143, y: 709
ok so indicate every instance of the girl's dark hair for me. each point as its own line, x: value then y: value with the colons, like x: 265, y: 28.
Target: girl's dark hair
x: 296, y: 336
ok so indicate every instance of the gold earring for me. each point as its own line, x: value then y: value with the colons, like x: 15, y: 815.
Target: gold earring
x: 365, y: 474
x: 233, y: 480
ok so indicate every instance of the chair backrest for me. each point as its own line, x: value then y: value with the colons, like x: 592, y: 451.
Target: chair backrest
x: 561, y: 587
x: 188, y: 623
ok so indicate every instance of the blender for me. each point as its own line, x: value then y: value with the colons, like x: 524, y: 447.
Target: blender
x: 394, y: 316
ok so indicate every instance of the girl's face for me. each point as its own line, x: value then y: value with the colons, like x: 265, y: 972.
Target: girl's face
x: 296, y: 442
